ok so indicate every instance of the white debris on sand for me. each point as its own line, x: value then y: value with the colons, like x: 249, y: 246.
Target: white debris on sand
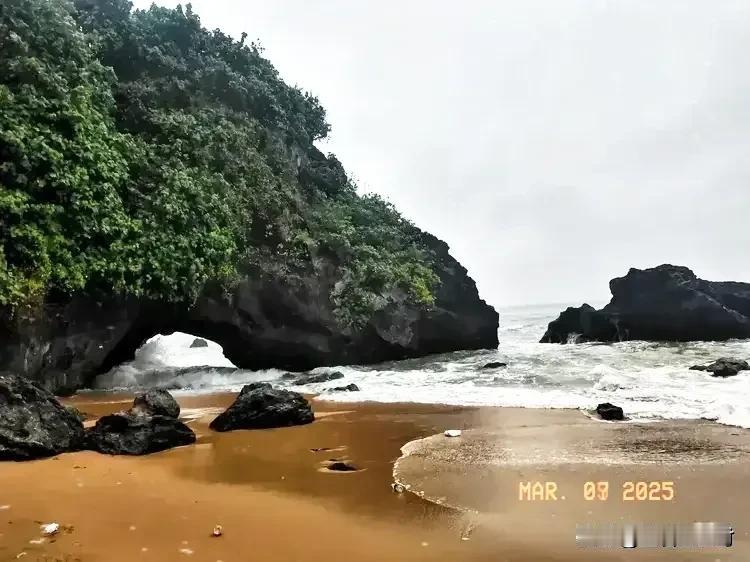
x: 50, y: 529
x: 452, y: 433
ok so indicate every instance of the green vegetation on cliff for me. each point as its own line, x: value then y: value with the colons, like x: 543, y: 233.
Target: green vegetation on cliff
x: 142, y: 153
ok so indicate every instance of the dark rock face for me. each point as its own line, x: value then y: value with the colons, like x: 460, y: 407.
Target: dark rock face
x: 33, y: 423
x: 665, y: 303
x: 724, y: 367
x: 199, y: 342
x: 62, y: 344
x: 348, y: 388
x: 129, y: 433
x: 156, y: 402
x: 265, y: 322
x: 610, y: 412
x: 318, y: 377
x: 582, y: 324
x: 260, y: 406
x: 494, y: 365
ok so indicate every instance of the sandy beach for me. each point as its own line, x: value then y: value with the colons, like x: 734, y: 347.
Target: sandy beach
x: 275, y: 501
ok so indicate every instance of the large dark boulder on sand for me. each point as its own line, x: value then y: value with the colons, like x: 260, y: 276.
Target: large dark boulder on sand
x: 151, y: 425
x: 156, y: 402
x: 33, y: 423
x: 131, y: 433
x: 260, y: 406
x: 724, y: 367
x: 665, y: 303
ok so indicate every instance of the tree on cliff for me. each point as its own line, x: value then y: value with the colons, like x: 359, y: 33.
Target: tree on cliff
x: 142, y: 152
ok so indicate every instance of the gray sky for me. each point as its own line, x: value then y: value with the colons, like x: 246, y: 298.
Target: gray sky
x: 552, y: 143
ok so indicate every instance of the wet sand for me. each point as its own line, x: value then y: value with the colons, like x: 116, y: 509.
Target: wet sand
x: 276, y: 502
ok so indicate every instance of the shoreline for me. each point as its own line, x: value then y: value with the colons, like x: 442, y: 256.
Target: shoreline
x: 272, y: 495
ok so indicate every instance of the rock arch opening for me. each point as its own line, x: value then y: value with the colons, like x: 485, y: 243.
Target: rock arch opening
x: 172, y: 360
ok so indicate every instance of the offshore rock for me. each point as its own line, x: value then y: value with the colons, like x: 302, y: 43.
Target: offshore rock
x: 724, y: 367
x: 665, y: 303
x: 318, y: 377
x: 348, y: 388
x: 494, y: 365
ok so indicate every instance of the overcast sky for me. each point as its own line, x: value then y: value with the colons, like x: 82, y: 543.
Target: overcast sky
x: 552, y: 143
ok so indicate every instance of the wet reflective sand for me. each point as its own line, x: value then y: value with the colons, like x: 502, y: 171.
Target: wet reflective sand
x: 267, y: 489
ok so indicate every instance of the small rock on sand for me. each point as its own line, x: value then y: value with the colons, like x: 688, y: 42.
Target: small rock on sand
x: 341, y: 466
x: 610, y: 412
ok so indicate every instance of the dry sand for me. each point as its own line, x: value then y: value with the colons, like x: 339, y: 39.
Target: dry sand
x: 267, y: 490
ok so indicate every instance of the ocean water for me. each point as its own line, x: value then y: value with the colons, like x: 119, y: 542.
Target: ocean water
x: 649, y: 380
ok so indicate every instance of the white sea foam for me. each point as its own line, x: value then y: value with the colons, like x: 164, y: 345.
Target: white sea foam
x: 649, y: 380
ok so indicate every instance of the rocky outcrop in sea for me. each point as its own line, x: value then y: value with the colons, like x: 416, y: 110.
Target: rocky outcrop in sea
x: 665, y: 303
